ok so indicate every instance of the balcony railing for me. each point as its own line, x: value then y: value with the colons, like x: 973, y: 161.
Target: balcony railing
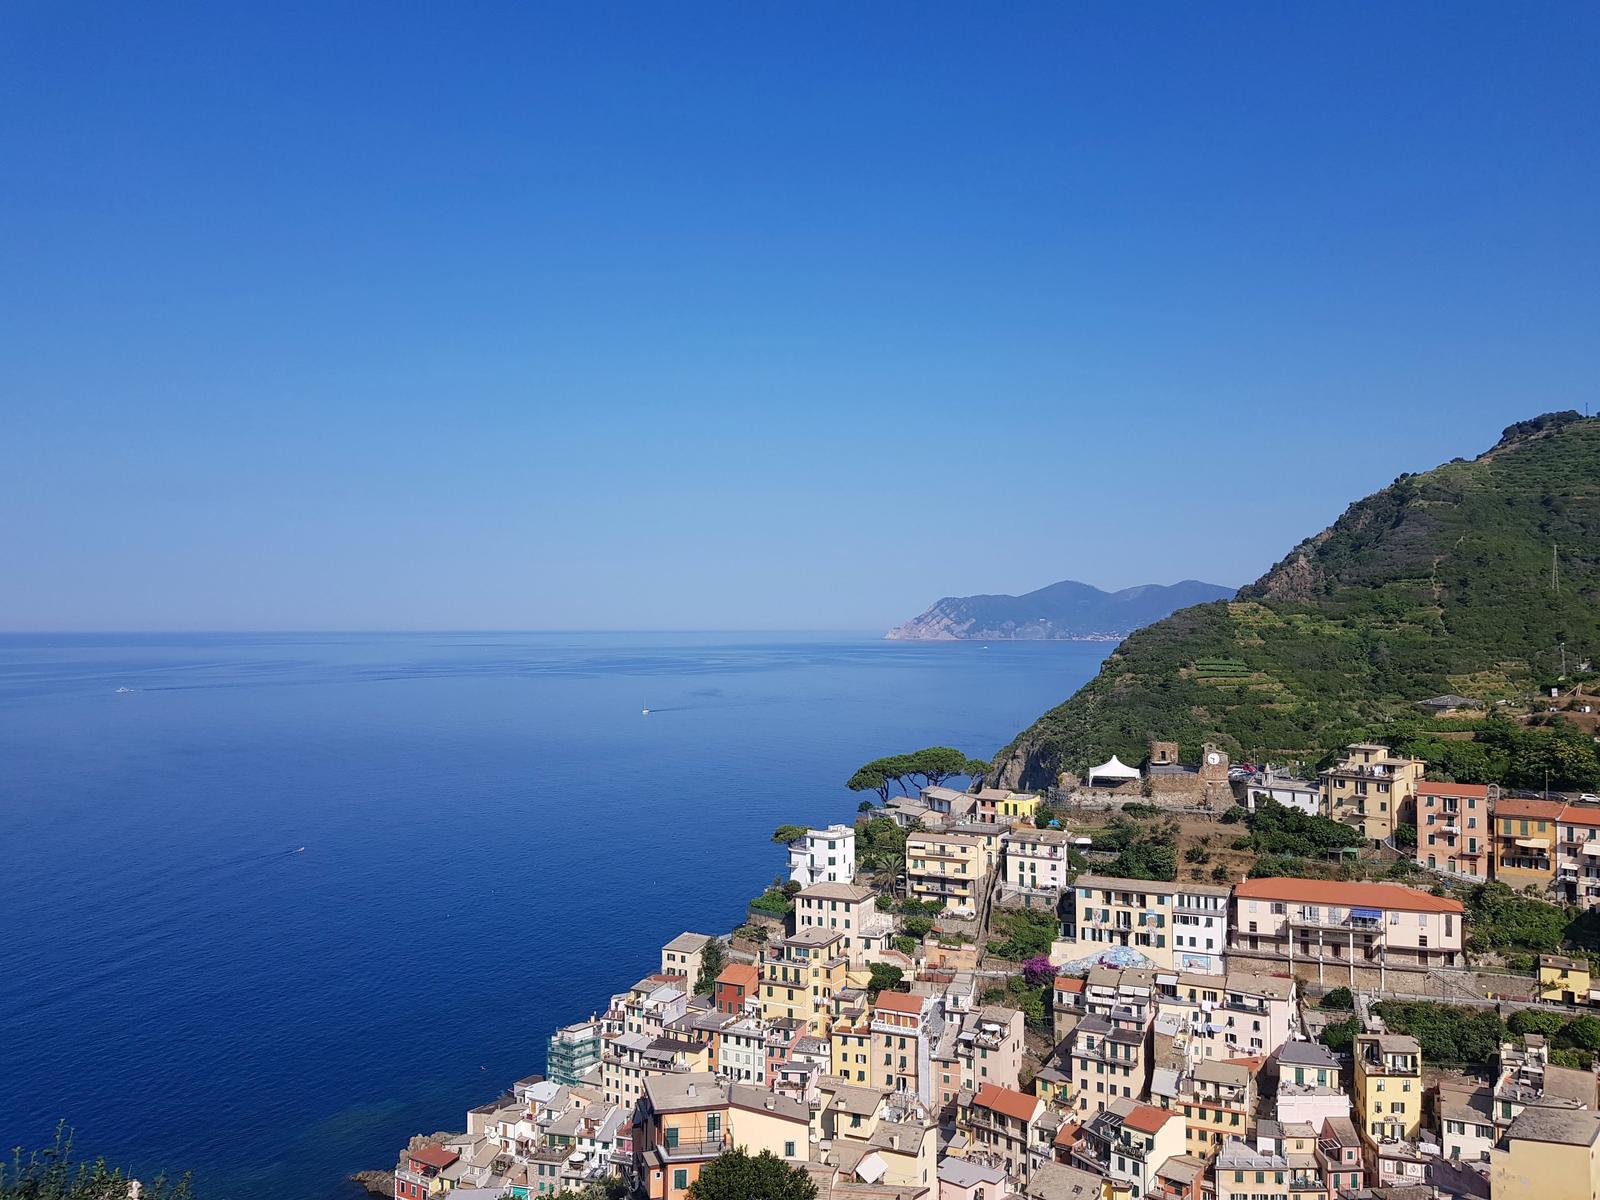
x: 707, y: 1148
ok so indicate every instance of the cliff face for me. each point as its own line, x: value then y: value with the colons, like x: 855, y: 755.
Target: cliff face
x: 1062, y: 611
x: 1441, y: 582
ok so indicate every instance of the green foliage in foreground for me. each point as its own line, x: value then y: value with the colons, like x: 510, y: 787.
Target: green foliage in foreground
x: 1438, y: 583
x: 53, y: 1173
x: 1142, y: 851
x: 884, y: 977
x: 1500, y: 919
x: 1278, y: 829
x: 1449, y: 1034
x: 712, y: 961
x: 1339, y: 998
x: 1027, y: 932
x: 737, y: 1175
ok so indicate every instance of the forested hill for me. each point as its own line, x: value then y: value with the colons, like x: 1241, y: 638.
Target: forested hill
x: 1068, y: 610
x: 1441, y: 582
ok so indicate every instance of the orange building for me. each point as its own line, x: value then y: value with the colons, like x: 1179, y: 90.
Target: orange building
x: 738, y: 983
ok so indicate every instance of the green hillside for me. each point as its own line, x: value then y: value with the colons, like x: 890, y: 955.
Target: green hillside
x: 1439, y: 583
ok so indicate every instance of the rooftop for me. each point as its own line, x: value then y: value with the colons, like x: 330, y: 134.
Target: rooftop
x: 1564, y: 1126
x: 1351, y: 895
x: 853, y: 892
x: 688, y: 943
x: 1007, y: 1102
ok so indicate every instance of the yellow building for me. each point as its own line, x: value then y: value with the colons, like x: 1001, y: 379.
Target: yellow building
x: 947, y: 867
x: 1369, y: 788
x: 850, y: 1045
x: 1388, y: 1099
x: 684, y: 1121
x: 1022, y: 805
x: 1525, y: 842
x: 801, y: 975
x: 1218, y: 1102
x: 1102, y: 912
x: 1548, y: 1154
x: 1563, y: 979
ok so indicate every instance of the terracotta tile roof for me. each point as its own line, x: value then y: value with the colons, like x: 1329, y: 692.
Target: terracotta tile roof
x: 433, y: 1156
x: 1004, y: 1100
x: 1581, y: 814
x: 1146, y: 1119
x: 1545, y: 810
x: 1064, y: 984
x: 1479, y: 790
x: 739, y: 974
x: 1349, y: 895
x: 1070, y: 1134
x: 903, y: 1002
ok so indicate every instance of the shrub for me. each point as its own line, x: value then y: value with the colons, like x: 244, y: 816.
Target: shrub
x: 1339, y: 998
x: 884, y: 976
x: 1039, y: 971
x: 917, y: 927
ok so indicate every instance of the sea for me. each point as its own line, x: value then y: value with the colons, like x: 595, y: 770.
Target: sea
x: 272, y: 903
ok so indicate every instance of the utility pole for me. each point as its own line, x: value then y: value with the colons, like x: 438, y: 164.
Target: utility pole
x: 1554, y: 576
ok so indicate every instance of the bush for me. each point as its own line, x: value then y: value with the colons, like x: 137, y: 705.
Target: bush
x: 1341, y: 1035
x: 774, y: 901
x: 1339, y: 998
x: 1536, y: 1020
x: 1449, y: 1033
x: 884, y: 976
x: 1039, y: 971
x: 1028, y: 932
x: 917, y: 927
x: 906, y: 945
x: 1197, y: 854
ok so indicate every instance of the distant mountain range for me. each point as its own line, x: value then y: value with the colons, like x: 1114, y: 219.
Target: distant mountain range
x: 1065, y: 611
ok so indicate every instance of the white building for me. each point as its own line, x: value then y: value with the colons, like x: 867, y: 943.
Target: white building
x: 1036, y: 861
x: 1200, y: 928
x: 823, y: 856
x: 1288, y: 790
x: 742, y: 1051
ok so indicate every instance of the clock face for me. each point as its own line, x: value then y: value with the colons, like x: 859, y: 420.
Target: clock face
x: 1213, y: 758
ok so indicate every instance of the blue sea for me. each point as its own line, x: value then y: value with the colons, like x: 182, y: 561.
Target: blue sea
x: 495, y: 839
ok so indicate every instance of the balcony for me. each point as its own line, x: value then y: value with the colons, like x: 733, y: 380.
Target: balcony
x: 681, y: 1150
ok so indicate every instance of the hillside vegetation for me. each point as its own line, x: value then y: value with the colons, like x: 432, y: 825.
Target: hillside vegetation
x: 1441, y: 582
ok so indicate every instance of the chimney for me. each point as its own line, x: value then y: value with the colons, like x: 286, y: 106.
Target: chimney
x: 691, y: 1090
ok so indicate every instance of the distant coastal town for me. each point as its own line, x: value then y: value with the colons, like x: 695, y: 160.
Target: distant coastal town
x: 1181, y: 980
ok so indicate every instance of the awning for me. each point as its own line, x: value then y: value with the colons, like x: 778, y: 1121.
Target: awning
x: 1367, y: 914
x: 1591, y: 848
x: 1113, y: 768
x: 1534, y: 843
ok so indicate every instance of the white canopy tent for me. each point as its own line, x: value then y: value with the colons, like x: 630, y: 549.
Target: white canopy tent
x: 1113, y: 771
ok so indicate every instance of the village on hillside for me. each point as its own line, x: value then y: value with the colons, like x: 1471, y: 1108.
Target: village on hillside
x: 1169, y: 981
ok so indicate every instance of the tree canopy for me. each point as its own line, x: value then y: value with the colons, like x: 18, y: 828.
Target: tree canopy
x: 712, y: 961
x: 921, y: 768
x: 737, y: 1175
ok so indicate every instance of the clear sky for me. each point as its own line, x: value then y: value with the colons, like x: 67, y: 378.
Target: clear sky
x: 522, y: 315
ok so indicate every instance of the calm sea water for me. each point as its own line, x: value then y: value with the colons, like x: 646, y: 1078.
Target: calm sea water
x: 495, y: 840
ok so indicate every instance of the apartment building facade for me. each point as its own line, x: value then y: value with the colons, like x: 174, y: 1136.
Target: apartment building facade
x: 1102, y: 912
x: 1345, y: 932
x: 1525, y: 836
x: 1370, y: 789
x: 947, y: 868
x: 1455, y: 831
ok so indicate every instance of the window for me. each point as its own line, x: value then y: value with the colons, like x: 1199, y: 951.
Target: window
x: 680, y: 1178
x: 788, y: 1149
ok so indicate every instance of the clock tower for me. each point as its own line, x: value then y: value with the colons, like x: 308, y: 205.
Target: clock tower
x: 1214, y: 775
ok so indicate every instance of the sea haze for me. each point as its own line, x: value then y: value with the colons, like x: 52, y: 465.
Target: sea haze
x: 496, y: 839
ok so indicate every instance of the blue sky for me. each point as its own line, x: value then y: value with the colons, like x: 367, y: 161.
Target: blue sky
x: 514, y: 315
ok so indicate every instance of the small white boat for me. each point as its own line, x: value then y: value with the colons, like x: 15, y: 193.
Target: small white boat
x: 646, y: 712
x: 302, y: 850
x: 123, y: 690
